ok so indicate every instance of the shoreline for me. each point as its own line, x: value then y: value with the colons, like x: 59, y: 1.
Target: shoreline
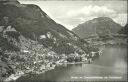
x: 19, y: 74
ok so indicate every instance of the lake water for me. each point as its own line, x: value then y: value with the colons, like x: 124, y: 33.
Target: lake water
x: 111, y: 66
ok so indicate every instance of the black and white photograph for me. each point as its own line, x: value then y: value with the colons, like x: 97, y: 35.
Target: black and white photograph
x: 63, y: 40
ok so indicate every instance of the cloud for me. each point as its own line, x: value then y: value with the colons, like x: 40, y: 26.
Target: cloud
x: 77, y: 16
x: 121, y: 19
x: 91, y: 11
x: 72, y: 13
x: 74, y: 17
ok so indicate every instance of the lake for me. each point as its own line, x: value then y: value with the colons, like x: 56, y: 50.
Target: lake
x: 111, y: 66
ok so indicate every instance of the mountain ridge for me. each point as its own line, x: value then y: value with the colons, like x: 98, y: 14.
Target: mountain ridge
x: 31, y: 42
x: 32, y: 22
x: 97, y: 26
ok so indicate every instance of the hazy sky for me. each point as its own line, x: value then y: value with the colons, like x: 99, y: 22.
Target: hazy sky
x: 72, y: 13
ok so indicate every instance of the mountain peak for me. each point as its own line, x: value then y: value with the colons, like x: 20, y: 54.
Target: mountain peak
x: 9, y: 2
x: 32, y: 23
x: 100, y: 26
x: 101, y: 19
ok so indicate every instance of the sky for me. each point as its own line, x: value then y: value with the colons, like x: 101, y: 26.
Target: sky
x: 72, y: 13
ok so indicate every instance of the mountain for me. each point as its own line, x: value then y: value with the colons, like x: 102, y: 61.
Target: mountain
x: 30, y: 41
x: 20, y: 55
x: 35, y: 24
x: 101, y: 27
x: 124, y: 30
